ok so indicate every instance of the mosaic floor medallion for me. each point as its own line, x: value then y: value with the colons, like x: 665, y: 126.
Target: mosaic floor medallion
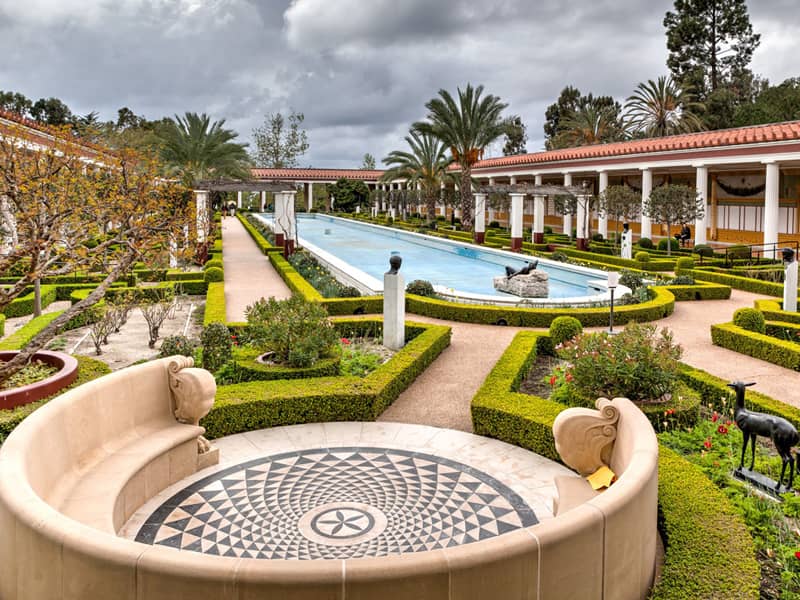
x: 336, y: 503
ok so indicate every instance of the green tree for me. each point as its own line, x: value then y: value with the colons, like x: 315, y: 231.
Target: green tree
x: 194, y: 148
x: 589, y: 125
x: 661, y: 107
x: 619, y: 202
x: 348, y: 193
x: 672, y: 204
x: 425, y: 163
x: 569, y: 102
x: 51, y: 111
x: 16, y: 103
x: 773, y: 105
x: 467, y: 127
x: 368, y: 163
x: 280, y: 142
x: 516, y: 136
x: 711, y: 43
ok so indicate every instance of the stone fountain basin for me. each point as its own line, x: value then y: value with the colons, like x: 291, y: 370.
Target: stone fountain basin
x: 67, y: 373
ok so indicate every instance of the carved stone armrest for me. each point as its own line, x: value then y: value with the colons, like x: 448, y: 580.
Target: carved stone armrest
x: 585, y: 438
x: 193, y: 392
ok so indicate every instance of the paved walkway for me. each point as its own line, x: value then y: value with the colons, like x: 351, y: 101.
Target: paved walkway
x: 249, y: 275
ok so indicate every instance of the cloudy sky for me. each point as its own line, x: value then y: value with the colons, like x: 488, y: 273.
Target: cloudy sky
x: 360, y: 70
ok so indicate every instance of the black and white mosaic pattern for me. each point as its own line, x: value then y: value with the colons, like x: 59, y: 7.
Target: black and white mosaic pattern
x: 335, y: 503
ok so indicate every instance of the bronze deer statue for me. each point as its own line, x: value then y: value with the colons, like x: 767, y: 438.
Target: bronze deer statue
x: 782, y: 433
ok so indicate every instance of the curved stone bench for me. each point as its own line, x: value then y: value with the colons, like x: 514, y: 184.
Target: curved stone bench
x: 115, y: 433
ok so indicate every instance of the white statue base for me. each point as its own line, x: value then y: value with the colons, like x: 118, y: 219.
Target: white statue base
x: 394, y: 311
x: 533, y: 285
x: 790, y: 287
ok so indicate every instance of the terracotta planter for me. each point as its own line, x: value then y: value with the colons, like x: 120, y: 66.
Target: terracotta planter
x: 68, y: 371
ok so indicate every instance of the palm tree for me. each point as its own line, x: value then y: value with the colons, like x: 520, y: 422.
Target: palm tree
x: 426, y: 164
x: 589, y: 125
x: 467, y: 127
x: 662, y: 107
x: 194, y: 148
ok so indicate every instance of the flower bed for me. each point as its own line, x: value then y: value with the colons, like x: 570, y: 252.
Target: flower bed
x: 67, y: 372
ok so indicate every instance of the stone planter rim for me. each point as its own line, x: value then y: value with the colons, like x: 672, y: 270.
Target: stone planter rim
x: 33, y: 392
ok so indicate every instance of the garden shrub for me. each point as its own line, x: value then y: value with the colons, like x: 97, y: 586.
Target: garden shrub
x: 177, y: 344
x: 738, y: 252
x: 494, y: 225
x: 214, y: 275
x: 217, y: 346
x: 215, y: 311
x: 703, y: 250
x: 631, y: 279
x: 560, y: 257
x: 214, y: 263
x: 681, y: 280
x: 758, y: 345
x: 421, y: 287
x: 639, y: 363
x: 646, y: 243
x: 749, y: 319
x: 597, y: 237
x: 672, y: 243
x: 684, y: 262
x: 642, y: 257
x: 297, y: 331
x: 563, y: 329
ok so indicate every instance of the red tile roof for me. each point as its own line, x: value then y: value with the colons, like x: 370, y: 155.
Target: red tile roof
x: 317, y: 174
x: 9, y: 121
x: 773, y: 132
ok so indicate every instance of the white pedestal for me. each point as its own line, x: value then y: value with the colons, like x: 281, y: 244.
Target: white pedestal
x: 790, y: 287
x: 394, y: 311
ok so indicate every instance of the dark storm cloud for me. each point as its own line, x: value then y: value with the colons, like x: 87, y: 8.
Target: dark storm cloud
x: 361, y: 71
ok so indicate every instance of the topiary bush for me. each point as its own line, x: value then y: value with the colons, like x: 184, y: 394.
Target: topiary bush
x: 214, y: 263
x: 631, y: 279
x: 703, y: 250
x: 671, y: 242
x: 642, y: 256
x: 563, y: 329
x: 177, y: 344
x: 684, y: 262
x: 646, y: 243
x: 213, y: 275
x: 750, y: 319
x: 217, y: 346
x: 421, y: 287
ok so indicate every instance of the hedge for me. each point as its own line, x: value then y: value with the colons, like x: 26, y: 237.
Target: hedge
x: 260, y: 404
x: 618, y: 261
x: 179, y: 275
x: 709, y: 552
x: 740, y: 283
x: 250, y: 369
x: 758, y: 345
x: 699, y: 291
x: 260, y: 240
x: 23, y: 304
x: 88, y: 369
x: 2, y: 324
x: 773, y: 311
x: 27, y: 332
x: 215, y: 304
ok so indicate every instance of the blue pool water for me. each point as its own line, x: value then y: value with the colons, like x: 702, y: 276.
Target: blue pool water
x: 445, y: 263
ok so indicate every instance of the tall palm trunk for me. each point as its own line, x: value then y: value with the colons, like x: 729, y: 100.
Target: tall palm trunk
x: 465, y: 191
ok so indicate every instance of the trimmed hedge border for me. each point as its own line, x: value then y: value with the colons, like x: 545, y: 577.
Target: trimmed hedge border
x: 252, y: 370
x: 699, y: 291
x: 758, y: 345
x: 617, y: 261
x: 710, y: 553
x: 740, y: 283
x: 215, y: 304
x: 260, y: 240
x: 23, y: 305
x: 773, y: 311
x: 260, y: 404
x: 88, y: 369
x: 27, y: 332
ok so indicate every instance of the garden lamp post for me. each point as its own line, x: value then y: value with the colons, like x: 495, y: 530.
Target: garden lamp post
x: 613, y: 282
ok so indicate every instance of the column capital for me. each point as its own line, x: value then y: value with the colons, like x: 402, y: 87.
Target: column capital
x: 699, y: 165
x: 647, y: 168
x: 770, y: 161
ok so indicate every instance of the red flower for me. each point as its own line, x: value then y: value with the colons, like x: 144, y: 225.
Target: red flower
x: 553, y: 380
x: 797, y: 554
x: 714, y: 417
x: 722, y: 429
x: 345, y: 341
x: 707, y: 444
x: 669, y: 412
x: 568, y: 377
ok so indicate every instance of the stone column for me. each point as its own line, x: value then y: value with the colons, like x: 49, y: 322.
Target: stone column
x: 263, y: 201
x: 290, y: 229
x: 516, y: 221
x: 480, y: 218
x: 201, y: 207
x: 702, y: 190
x: 394, y: 305
x: 790, y: 285
x: 771, y: 209
x: 647, y: 188
x: 239, y: 200
x: 491, y: 210
x: 602, y: 220
x: 567, y: 227
x: 309, y: 196
x: 538, y: 215
x: 392, y: 207
x: 581, y: 229
x: 279, y: 218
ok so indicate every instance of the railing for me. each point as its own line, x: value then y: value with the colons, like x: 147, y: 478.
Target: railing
x: 758, y: 253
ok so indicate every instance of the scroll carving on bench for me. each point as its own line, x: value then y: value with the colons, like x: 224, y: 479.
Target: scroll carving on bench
x: 193, y: 392
x: 585, y: 437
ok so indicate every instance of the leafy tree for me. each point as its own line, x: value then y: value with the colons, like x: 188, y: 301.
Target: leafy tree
x: 773, y: 105
x: 589, y: 125
x: 51, y: 111
x: 368, y: 163
x: 619, y: 202
x: 516, y: 136
x: 16, y: 103
x: 194, y: 149
x: 570, y: 101
x: 278, y: 144
x: 672, y: 204
x: 467, y: 127
x: 57, y: 211
x: 661, y: 107
x: 425, y: 164
x: 711, y: 43
x: 349, y: 193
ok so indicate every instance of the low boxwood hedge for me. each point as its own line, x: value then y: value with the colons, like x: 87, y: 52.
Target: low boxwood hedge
x: 179, y: 275
x: 773, y: 311
x: 260, y: 240
x: 88, y: 369
x: 248, y: 368
x: 256, y: 405
x: 740, y: 283
x: 215, y: 304
x: 758, y: 345
x: 699, y: 291
x: 27, y: 332
x: 23, y: 304
x: 618, y: 261
x: 709, y: 552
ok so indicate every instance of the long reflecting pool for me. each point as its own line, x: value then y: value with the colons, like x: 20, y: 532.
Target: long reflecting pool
x: 358, y: 253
